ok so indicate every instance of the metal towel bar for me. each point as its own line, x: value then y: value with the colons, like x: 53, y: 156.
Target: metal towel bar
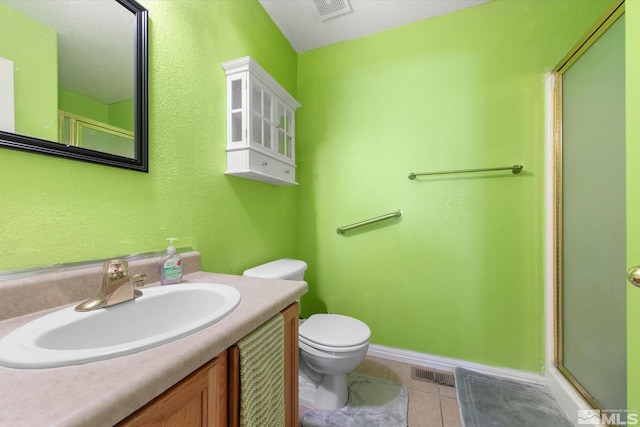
x: 516, y: 169
x: 395, y: 214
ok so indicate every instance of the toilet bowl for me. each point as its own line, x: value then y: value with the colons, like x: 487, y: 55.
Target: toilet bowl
x: 330, y: 345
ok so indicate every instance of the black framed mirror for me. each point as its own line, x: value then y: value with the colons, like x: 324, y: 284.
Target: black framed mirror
x: 73, y: 80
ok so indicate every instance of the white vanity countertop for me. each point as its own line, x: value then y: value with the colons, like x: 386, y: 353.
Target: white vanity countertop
x: 104, y: 393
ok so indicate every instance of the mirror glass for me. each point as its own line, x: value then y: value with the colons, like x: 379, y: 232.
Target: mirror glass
x: 73, y: 79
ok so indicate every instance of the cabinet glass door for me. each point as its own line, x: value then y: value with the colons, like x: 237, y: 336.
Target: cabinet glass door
x: 267, y: 124
x: 256, y: 111
x: 285, y: 131
x: 262, y: 123
x: 236, y: 111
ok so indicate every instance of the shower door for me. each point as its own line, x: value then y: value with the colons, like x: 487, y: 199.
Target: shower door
x: 591, y: 217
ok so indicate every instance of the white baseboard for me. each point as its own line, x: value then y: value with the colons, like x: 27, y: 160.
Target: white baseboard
x: 564, y: 393
x: 448, y: 364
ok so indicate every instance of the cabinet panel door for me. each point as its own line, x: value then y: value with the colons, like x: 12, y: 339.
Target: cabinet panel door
x: 200, y: 400
x: 291, y: 315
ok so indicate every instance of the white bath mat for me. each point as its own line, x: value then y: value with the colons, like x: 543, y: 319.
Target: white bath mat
x: 373, y: 402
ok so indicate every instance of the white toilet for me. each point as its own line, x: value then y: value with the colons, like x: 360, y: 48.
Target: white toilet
x: 331, y: 345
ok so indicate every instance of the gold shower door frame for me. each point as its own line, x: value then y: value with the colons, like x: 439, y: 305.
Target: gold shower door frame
x: 603, y: 24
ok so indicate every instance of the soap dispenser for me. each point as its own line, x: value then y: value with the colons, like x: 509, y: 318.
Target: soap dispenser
x: 171, y: 266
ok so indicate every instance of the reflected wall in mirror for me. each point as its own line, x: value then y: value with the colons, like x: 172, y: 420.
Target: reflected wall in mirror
x: 73, y: 79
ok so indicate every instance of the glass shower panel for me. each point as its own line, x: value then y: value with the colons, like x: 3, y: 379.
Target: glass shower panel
x: 593, y: 320
x: 105, y: 140
x: 64, y: 129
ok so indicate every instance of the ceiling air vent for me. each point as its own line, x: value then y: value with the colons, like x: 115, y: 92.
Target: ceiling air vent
x: 328, y: 9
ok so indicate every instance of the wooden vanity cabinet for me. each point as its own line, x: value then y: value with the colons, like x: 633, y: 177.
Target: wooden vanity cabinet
x: 198, y: 400
x: 291, y: 315
x: 210, y: 396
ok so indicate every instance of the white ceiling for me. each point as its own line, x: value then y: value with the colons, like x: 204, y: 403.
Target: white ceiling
x: 88, y: 31
x: 299, y: 20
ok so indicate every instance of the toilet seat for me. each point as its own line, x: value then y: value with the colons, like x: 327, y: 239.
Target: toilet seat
x: 334, y: 333
x: 330, y: 349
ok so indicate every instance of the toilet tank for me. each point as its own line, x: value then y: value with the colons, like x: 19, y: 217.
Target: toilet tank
x: 287, y: 269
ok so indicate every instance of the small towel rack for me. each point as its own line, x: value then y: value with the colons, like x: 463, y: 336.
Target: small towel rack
x: 515, y: 169
x: 395, y: 214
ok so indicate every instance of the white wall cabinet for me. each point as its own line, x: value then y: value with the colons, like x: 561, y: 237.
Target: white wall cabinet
x: 260, y: 125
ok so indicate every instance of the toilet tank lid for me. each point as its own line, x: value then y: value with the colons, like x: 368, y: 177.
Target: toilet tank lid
x: 280, y: 269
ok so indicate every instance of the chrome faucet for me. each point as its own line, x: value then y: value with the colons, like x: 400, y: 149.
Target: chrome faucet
x: 116, y: 287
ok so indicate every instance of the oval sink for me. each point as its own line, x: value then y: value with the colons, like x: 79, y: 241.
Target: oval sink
x: 162, y: 314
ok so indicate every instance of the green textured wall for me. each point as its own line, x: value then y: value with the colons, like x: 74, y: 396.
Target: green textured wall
x: 121, y: 114
x: 632, y: 18
x: 461, y: 274
x: 81, y: 105
x: 35, y: 62
x: 57, y: 210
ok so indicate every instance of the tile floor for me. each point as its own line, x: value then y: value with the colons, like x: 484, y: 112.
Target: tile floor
x: 430, y: 405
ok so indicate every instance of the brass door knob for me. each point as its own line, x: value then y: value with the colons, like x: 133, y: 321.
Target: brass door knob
x: 633, y: 275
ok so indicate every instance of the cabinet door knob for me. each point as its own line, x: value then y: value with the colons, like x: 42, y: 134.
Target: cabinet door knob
x: 264, y: 163
x: 286, y: 171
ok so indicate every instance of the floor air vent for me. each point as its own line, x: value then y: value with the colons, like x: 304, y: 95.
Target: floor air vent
x: 433, y: 376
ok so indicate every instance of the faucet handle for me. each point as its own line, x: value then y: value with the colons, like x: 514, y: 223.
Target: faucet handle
x: 138, y: 282
x: 115, y: 269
